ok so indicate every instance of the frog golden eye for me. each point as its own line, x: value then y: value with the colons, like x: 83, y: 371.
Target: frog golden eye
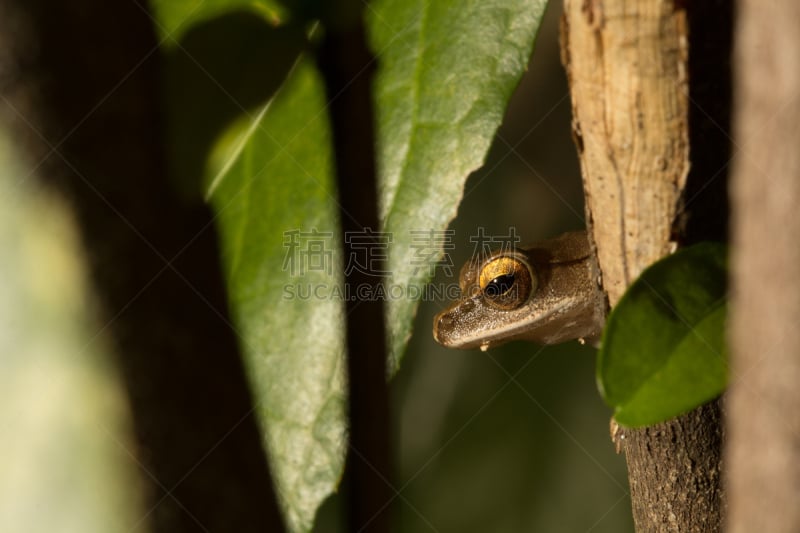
x: 507, y: 282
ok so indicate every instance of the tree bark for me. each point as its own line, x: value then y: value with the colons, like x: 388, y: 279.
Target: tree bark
x: 763, y: 453
x: 627, y: 65
x: 674, y: 472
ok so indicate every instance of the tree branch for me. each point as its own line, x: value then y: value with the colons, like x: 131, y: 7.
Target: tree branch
x: 627, y: 65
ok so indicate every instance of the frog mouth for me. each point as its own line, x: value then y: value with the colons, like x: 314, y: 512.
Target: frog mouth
x: 452, y: 331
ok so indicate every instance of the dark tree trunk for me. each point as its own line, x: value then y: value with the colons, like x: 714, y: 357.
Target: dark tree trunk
x: 80, y: 91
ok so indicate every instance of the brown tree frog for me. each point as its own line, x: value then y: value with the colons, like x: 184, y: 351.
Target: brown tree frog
x: 546, y: 293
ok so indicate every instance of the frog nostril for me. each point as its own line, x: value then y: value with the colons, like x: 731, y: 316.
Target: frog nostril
x: 467, y: 305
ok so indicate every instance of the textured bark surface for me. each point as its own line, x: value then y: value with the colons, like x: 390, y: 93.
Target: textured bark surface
x: 627, y: 65
x: 763, y: 475
x: 674, y: 472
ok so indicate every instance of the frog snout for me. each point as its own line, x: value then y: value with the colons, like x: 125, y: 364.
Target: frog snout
x: 441, y: 323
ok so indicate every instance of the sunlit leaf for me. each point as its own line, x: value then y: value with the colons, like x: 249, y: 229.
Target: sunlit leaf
x: 278, y: 192
x: 446, y: 72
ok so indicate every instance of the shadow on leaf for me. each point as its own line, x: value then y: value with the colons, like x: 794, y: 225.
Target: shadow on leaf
x: 218, y: 76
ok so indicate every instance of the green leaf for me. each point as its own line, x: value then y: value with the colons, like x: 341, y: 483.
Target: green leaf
x: 213, y: 103
x: 663, y: 351
x: 174, y: 17
x: 256, y: 142
x: 292, y: 341
x: 446, y: 72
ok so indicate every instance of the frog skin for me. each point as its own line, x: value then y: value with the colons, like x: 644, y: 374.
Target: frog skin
x: 547, y: 293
